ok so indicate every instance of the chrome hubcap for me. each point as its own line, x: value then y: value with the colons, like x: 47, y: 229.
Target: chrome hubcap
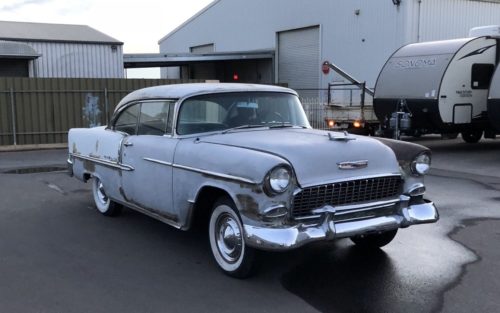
x: 228, y: 238
x: 100, y: 193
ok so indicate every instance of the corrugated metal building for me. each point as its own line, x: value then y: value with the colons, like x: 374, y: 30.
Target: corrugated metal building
x: 58, y: 50
x: 357, y: 35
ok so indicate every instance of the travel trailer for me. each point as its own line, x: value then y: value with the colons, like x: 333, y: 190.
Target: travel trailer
x: 494, y: 101
x: 440, y: 87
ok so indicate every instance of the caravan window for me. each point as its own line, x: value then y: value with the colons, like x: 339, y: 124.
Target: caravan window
x: 481, y: 75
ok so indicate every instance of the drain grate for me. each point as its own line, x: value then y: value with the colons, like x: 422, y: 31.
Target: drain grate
x: 32, y: 170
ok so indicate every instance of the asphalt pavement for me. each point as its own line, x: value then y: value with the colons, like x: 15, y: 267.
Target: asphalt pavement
x: 57, y: 254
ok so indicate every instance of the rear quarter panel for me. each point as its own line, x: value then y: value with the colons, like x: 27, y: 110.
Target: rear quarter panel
x: 88, y: 145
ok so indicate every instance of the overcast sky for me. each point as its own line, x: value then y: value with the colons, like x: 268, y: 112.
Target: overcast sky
x: 137, y: 23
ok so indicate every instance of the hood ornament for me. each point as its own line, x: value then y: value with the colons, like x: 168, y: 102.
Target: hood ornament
x: 346, y: 137
x: 352, y: 165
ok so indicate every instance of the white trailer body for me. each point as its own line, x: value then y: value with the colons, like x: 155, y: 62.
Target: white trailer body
x: 494, y: 101
x: 442, y: 85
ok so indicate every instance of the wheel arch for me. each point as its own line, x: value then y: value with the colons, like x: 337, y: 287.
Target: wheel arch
x: 202, y: 206
x: 87, y: 176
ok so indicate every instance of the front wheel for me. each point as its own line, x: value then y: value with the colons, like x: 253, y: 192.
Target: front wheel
x: 105, y: 205
x: 227, y: 241
x: 472, y: 136
x: 375, y: 240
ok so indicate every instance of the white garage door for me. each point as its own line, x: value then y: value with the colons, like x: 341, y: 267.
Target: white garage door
x: 298, y: 60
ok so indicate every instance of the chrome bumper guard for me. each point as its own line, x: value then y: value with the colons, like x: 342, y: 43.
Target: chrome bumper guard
x: 291, y: 237
x: 69, y: 163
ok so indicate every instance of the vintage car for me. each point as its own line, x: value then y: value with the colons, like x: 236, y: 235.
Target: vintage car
x: 244, y: 159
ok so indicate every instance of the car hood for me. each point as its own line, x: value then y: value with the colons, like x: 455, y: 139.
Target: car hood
x: 314, y: 156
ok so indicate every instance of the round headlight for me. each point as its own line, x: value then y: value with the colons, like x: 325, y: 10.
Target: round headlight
x: 421, y: 164
x: 279, y: 179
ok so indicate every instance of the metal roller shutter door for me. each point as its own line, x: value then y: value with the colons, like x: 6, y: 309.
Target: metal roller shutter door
x: 298, y: 60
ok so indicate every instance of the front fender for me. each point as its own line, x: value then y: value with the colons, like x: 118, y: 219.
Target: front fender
x: 237, y: 171
x: 226, y: 162
x: 405, y: 153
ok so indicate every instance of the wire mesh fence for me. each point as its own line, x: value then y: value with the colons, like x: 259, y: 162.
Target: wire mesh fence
x: 339, y: 104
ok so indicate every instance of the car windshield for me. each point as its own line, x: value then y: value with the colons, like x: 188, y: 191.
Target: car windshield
x: 225, y: 111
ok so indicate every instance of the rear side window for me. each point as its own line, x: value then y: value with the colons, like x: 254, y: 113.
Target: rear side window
x: 127, y: 121
x: 147, y: 118
x: 481, y: 75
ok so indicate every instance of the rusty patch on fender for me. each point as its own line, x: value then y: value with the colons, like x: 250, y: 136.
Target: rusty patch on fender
x: 249, y: 206
x: 74, y: 149
x: 89, y: 166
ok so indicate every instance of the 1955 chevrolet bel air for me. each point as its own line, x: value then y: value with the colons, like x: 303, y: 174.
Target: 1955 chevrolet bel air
x: 244, y: 159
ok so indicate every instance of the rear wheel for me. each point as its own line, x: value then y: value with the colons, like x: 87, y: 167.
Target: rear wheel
x: 472, y: 136
x: 227, y: 241
x: 374, y: 240
x: 105, y: 205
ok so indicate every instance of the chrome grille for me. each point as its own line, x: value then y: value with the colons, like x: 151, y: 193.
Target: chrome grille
x: 345, y: 193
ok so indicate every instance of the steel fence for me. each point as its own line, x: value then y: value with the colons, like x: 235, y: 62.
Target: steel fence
x: 42, y: 110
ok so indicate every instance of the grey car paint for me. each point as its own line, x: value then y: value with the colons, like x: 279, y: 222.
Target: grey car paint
x: 237, y: 163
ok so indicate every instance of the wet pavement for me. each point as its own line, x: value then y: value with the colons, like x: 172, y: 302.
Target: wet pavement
x: 57, y: 254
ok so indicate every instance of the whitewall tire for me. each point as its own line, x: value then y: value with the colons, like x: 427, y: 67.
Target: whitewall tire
x: 103, y: 204
x: 227, y: 240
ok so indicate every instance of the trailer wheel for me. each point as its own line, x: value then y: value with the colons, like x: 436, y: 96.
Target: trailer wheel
x: 472, y: 136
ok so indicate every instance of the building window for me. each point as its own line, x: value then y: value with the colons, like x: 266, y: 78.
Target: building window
x: 209, y: 48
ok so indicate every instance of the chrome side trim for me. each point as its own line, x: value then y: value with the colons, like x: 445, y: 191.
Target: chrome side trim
x: 162, y: 218
x: 119, y: 166
x: 215, y: 174
x: 158, y: 161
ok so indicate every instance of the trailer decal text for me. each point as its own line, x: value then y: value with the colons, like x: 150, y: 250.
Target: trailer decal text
x: 416, y: 63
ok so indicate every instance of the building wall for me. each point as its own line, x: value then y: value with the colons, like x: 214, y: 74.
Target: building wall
x: 77, y: 60
x: 239, y: 25
x: 360, y: 42
x: 449, y: 19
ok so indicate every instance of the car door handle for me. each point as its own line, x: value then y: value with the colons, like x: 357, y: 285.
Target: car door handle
x: 128, y: 144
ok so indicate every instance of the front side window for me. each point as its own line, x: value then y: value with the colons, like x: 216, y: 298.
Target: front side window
x: 213, y: 112
x: 154, y: 118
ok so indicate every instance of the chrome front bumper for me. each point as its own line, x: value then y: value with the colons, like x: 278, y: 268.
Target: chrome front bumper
x: 291, y: 237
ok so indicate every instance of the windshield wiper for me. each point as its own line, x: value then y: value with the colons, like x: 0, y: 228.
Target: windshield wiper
x: 242, y: 127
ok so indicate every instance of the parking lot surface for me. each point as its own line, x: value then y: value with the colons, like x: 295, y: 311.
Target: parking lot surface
x: 58, y: 254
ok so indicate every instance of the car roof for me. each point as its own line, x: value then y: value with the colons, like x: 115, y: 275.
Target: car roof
x: 178, y: 91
